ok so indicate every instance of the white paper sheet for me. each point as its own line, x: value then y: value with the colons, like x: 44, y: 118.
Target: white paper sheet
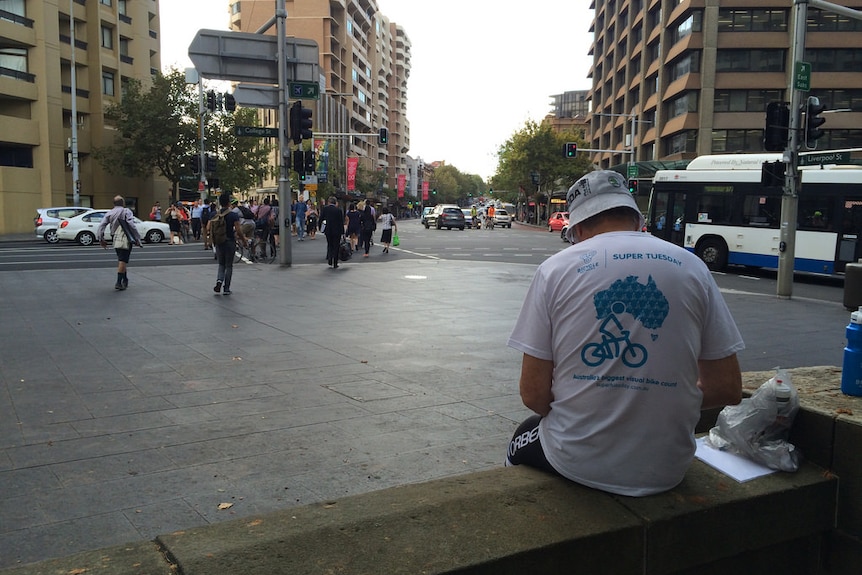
x: 730, y: 464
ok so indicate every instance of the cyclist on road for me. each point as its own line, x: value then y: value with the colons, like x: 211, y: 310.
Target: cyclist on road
x: 625, y: 338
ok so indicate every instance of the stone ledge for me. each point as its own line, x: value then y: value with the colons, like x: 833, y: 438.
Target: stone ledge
x: 506, y: 520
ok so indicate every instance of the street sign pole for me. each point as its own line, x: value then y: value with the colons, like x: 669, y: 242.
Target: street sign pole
x: 284, y: 257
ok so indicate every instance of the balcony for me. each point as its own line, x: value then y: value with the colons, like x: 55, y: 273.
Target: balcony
x: 16, y: 18
x: 15, y: 34
x: 18, y: 87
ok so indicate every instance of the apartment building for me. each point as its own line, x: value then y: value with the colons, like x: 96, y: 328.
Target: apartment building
x: 570, y: 111
x: 364, y: 64
x: 42, y: 42
x: 693, y: 77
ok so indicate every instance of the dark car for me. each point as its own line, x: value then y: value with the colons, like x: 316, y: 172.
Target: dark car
x: 446, y: 216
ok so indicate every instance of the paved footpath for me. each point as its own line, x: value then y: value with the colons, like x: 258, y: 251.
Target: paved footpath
x: 124, y: 415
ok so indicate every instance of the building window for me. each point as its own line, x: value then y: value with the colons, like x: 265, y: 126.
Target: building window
x: 15, y: 7
x: 687, y: 26
x: 838, y: 98
x: 686, y: 65
x: 105, y: 2
x: 820, y: 21
x: 683, y: 142
x: 735, y: 141
x: 107, y: 38
x: 234, y: 8
x: 745, y: 100
x: 834, y: 59
x: 16, y: 156
x: 750, y: 60
x: 14, y: 59
x: 107, y: 83
x: 121, y: 7
x: 682, y: 105
x: 742, y: 20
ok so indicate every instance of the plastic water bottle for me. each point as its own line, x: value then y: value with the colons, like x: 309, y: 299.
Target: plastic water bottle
x: 851, y: 371
x: 782, y: 395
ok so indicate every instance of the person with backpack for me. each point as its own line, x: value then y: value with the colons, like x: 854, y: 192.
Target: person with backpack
x: 225, y: 230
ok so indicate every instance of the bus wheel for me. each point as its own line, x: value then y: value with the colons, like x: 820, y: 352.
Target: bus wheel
x: 713, y: 252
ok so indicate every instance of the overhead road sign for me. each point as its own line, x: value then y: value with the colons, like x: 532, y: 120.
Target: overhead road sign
x: 304, y: 90
x: 256, y: 96
x: 247, y: 57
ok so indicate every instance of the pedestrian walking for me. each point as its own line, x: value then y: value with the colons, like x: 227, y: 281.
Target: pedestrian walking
x: 175, y: 222
x: 225, y: 229
x: 206, y: 214
x: 311, y: 220
x: 332, y: 225
x: 301, y: 210
x: 626, y: 338
x: 124, y: 235
x: 156, y: 212
x: 387, y: 224
x: 197, y: 209
x: 368, y: 224
x: 354, y: 229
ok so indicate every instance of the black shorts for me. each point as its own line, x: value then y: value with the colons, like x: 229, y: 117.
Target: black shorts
x: 123, y: 255
x: 526, y: 447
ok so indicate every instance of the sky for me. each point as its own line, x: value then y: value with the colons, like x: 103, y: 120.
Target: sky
x: 479, y: 69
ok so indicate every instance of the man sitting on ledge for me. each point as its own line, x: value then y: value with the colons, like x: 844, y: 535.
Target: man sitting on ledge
x: 626, y: 338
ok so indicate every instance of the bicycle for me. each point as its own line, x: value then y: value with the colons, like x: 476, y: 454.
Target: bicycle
x: 263, y: 238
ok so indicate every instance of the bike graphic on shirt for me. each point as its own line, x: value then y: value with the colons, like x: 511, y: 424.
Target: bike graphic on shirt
x: 645, y: 303
x: 615, y: 343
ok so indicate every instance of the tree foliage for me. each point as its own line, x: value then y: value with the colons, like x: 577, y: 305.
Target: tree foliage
x: 157, y: 130
x: 537, y: 151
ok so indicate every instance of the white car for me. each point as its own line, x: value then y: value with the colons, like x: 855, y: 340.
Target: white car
x: 502, y: 218
x: 82, y: 229
x: 47, y: 221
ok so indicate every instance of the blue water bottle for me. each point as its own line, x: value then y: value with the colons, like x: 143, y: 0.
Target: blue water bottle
x: 851, y: 372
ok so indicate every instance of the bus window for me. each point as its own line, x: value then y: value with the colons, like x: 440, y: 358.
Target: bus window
x: 714, y: 208
x: 761, y: 211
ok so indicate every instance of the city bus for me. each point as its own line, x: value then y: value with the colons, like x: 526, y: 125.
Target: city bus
x: 718, y: 209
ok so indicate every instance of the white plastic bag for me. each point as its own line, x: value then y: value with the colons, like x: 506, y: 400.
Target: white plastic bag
x: 759, y: 427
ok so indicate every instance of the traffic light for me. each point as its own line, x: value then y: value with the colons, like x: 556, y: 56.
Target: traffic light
x: 300, y: 123
x: 570, y: 150
x: 299, y: 163
x: 633, y: 187
x: 382, y: 136
x: 309, y: 161
x: 196, y: 164
x: 229, y: 102
x: 211, y: 101
x: 772, y: 174
x: 813, y: 121
x: 777, y: 123
x: 211, y: 164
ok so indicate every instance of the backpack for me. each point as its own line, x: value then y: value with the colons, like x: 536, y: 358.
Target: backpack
x: 218, y: 227
x: 246, y: 212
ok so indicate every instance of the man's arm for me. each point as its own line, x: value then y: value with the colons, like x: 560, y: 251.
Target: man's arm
x: 720, y: 381
x: 536, y: 378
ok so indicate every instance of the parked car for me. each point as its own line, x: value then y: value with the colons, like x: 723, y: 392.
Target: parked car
x: 502, y: 218
x: 83, y: 227
x: 558, y: 221
x: 446, y: 216
x: 47, y: 221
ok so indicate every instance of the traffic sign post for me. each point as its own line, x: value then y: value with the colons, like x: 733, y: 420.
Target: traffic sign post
x: 269, y: 64
x: 802, y: 76
x: 304, y: 90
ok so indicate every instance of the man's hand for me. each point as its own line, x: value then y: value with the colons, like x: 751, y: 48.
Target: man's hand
x: 103, y: 243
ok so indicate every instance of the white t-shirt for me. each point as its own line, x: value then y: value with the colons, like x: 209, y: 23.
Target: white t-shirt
x: 625, y: 317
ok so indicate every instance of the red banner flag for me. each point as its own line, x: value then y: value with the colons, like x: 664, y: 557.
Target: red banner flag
x: 424, y: 191
x: 402, y: 182
x: 352, y: 165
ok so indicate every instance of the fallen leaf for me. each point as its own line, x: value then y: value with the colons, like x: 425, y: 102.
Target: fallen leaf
x: 844, y: 411
x: 364, y: 361
x: 255, y: 523
x: 233, y: 325
x: 225, y: 505
x: 77, y: 571
x: 237, y: 358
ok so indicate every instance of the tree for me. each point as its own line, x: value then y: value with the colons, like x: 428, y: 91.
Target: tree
x: 156, y: 129
x: 537, y: 150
